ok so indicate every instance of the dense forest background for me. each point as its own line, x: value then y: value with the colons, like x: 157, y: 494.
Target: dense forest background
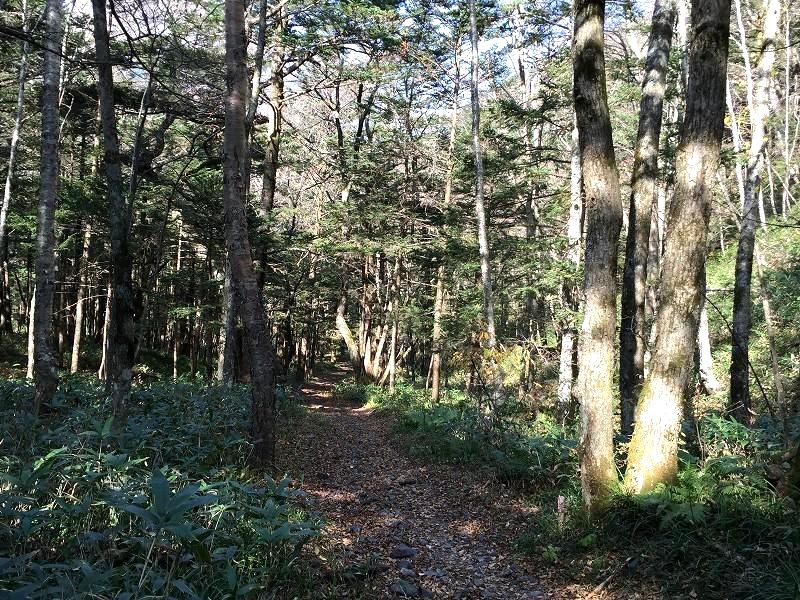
x: 209, y: 207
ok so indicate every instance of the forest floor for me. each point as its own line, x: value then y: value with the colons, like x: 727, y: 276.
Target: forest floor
x: 400, y: 528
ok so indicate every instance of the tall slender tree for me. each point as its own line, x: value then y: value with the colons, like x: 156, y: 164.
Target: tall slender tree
x: 5, y: 296
x: 489, y: 333
x: 243, y: 276
x: 600, y: 185
x: 44, y: 366
x: 121, y: 351
x: 758, y: 87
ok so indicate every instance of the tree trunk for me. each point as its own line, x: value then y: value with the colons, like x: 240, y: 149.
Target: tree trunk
x: 245, y: 286
x: 708, y: 379
x: 5, y: 299
x: 79, y: 303
x: 600, y: 186
x: 740, y: 403
x: 102, y: 371
x: 45, y: 372
x: 439, y: 299
x: 489, y: 336
x: 122, y: 329
x: 569, y: 293
x: 480, y: 209
x: 272, y: 149
x: 227, y: 343
x: 653, y: 451
x: 436, y: 342
x: 643, y: 195
x: 31, y: 343
x: 353, y: 349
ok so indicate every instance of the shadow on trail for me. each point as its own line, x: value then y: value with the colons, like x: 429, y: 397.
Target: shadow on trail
x: 405, y: 528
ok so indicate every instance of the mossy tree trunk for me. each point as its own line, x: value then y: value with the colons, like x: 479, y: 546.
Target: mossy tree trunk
x: 643, y: 195
x: 653, y: 451
x: 600, y: 190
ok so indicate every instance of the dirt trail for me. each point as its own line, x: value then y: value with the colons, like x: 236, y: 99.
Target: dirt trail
x: 457, y: 526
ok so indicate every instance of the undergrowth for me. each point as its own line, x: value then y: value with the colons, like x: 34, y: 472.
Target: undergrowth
x: 166, y: 507
x: 721, y: 530
x: 455, y: 430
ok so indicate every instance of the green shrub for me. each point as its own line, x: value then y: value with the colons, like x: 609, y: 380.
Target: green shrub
x: 167, y: 507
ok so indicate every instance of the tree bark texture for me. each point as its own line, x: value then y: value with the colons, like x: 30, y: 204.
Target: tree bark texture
x: 643, y: 196
x: 600, y: 186
x: 122, y: 327
x: 45, y: 371
x: 245, y: 286
x: 653, y: 451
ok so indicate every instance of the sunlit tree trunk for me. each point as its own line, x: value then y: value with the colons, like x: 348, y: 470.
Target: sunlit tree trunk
x: 31, y: 343
x: 45, y: 372
x: 569, y: 293
x: 707, y: 377
x: 488, y: 334
x: 102, y: 371
x: 79, y: 303
x: 480, y: 209
x: 643, y: 195
x: 245, y: 286
x: 227, y: 343
x: 600, y: 187
x: 758, y: 104
x: 653, y: 451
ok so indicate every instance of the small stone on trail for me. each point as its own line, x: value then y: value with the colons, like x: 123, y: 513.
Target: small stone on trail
x: 403, y: 564
x: 403, y: 551
x: 407, y: 573
x: 406, y: 479
x: 434, y: 573
x: 404, y: 588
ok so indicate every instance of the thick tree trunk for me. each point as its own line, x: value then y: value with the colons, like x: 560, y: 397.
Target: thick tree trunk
x: 122, y: 329
x: 79, y: 303
x: 758, y: 103
x: 600, y: 185
x: 45, y: 372
x: 653, y: 451
x: 248, y: 299
x: 643, y: 195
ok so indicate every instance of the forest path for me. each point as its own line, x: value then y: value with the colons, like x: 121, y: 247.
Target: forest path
x: 418, y: 530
